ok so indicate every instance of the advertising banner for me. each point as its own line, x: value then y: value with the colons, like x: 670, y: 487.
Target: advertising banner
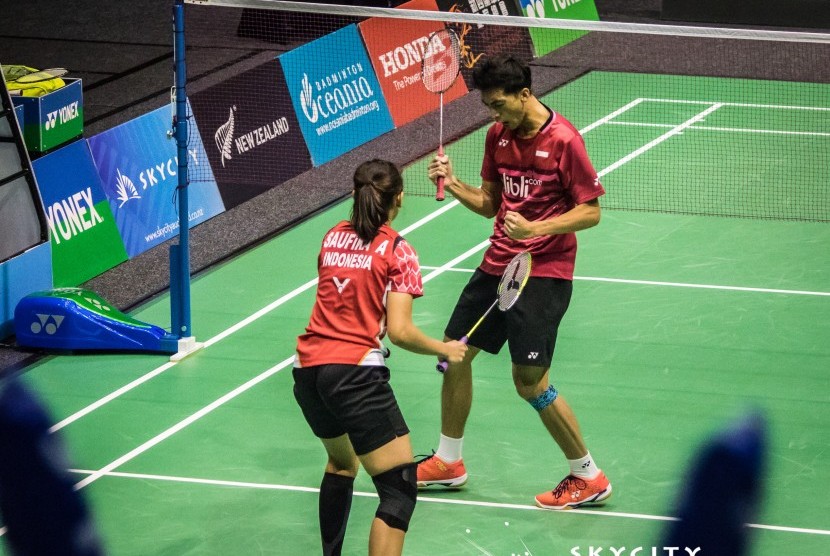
x: 54, y: 118
x: 82, y: 230
x: 252, y: 135
x: 138, y: 168
x: 336, y: 95
x: 546, y: 40
x: 397, y: 48
x: 487, y: 40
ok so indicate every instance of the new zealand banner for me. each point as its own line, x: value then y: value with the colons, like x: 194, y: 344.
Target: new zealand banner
x: 336, y: 95
x: 138, y: 167
x: 478, y: 41
x: 82, y: 230
x: 253, y: 139
x: 397, y: 48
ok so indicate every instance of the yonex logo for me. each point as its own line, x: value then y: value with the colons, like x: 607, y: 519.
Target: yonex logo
x: 98, y: 305
x: 64, y: 114
x: 504, y: 142
x: 51, y: 120
x: 46, y: 323
x: 125, y: 189
x: 533, y: 355
x: 340, y: 285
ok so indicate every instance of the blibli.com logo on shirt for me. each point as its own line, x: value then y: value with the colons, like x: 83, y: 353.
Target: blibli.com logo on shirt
x: 339, y: 103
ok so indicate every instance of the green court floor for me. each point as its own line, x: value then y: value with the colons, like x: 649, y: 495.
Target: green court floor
x: 679, y: 324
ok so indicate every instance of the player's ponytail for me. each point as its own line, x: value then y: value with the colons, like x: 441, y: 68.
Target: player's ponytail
x: 376, y: 185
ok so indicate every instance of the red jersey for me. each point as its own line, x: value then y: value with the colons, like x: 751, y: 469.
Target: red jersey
x: 542, y: 177
x: 349, y: 315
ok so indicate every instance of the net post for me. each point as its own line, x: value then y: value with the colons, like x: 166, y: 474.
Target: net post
x: 185, y: 342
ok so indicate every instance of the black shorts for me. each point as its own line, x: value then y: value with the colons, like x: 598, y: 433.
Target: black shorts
x: 350, y: 399
x: 529, y: 327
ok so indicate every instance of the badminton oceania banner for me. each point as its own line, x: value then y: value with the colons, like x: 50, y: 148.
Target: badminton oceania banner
x: 396, y: 48
x: 82, y: 230
x: 138, y: 166
x: 336, y: 95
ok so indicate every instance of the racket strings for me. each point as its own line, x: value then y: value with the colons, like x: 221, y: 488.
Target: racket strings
x: 441, y: 62
x: 513, y: 280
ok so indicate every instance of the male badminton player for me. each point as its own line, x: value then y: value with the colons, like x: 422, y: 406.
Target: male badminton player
x: 540, y: 185
x: 368, y: 277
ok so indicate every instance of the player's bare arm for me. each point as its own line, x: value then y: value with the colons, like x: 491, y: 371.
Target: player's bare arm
x: 581, y: 217
x: 405, y: 334
x: 484, y: 200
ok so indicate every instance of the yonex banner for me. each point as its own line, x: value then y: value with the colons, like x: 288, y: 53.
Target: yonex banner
x: 337, y: 98
x: 85, y: 239
x: 487, y: 40
x: 546, y: 40
x: 138, y: 166
x: 396, y: 48
x: 252, y: 135
x: 20, y: 276
x: 54, y: 118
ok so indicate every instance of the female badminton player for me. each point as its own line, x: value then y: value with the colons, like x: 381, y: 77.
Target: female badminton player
x: 368, y: 278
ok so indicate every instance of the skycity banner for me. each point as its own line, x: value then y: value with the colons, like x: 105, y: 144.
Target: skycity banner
x: 253, y: 139
x: 397, y: 48
x: 336, y: 95
x: 138, y: 168
x: 82, y: 230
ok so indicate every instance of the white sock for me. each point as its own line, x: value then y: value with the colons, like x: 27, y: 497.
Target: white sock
x: 449, y: 449
x: 584, y: 468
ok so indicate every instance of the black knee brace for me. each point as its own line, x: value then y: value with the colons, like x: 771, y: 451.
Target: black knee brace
x: 397, y: 490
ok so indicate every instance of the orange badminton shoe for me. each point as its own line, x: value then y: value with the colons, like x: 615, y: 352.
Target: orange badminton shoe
x: 433, y: 471
x: 573, y: 492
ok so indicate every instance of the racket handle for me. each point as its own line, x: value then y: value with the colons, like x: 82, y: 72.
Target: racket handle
x: 439, y: 193
x: 442, y: 365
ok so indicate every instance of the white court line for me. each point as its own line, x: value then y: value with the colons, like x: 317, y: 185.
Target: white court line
x: 152, y: 442
x: 730, y: 129
x: 670, y: 284
x: 265, y: 310
x: 451, y: 501
x: 611, y: 116
x: 230, y: 395
x: 311, y: 283
x: 740, y: 104
x: 183, y: 423
x: 224, y: 334
x: 672, y: 132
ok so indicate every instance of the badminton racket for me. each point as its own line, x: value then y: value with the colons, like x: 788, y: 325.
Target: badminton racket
x: 439, y: 69
x: 511, y: 284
